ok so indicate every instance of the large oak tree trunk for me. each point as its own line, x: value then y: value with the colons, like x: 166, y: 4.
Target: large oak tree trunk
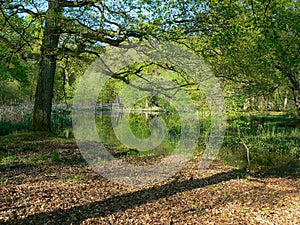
x: 44, y: 91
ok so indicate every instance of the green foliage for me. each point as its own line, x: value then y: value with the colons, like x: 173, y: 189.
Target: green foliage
x: 18, y: 39
x: 55, y: 156
x: 273, y: 141
x: 61, y: 119
x: 4, y: 182
x: 140, y: 125
x: 8, y: 127
x: 253, y: 47
x: 8, y: 160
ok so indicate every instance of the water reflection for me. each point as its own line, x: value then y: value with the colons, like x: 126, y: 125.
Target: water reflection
x: 140, y: 126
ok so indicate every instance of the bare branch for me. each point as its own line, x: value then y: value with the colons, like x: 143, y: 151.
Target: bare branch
x: 21, y: 9
x: 266, y: 8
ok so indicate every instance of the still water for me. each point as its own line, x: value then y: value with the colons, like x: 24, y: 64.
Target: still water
x: 150, y: 132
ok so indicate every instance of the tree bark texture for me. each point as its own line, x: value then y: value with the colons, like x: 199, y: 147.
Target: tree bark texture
x: 44, y: 91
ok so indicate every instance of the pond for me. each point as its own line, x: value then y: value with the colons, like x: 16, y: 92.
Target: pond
x: 149, y: 132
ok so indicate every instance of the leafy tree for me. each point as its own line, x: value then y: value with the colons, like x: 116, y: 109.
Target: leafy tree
x: 84, y: 27
x: 253, y: 45
x: 14, y: 64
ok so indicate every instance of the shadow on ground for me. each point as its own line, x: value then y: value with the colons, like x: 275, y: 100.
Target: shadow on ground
x: 78, y: 214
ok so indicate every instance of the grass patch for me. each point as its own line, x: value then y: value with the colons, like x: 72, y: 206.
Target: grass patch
x: 8, y: 160
x: 273, y: 140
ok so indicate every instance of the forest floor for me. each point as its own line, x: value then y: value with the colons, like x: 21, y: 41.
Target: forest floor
x: 44, y: 180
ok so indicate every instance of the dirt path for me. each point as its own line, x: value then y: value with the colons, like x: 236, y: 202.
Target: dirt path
x: 62, y: 189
